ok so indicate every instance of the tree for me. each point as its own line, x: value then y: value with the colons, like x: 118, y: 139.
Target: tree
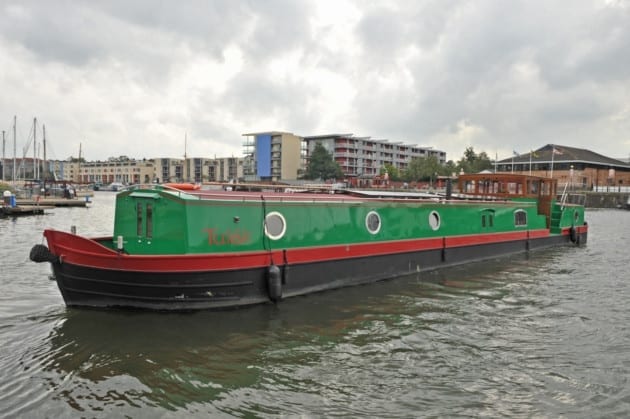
x: 322, y: 166
x: 423, y: 168
x: 392, y: 172
x: 484, y: 162
x: 450, y: 168
x: 119, y: 158
x: 472, y: 162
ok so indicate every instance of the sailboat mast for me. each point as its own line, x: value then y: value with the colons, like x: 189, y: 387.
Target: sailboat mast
x: 34, y: 148
x: 4, y: 166
x: 186, y: 171
x: 79, y: 170
x: 14, y: 147
x: 44, y: 144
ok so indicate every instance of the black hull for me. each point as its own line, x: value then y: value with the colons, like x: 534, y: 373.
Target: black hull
x: 91, y: 287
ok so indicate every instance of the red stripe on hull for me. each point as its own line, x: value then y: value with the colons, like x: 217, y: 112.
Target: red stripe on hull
x: 86, y: 252
x: 460, y: 241
x: 583, y: 229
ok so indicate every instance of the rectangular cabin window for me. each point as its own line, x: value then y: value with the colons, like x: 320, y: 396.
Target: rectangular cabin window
x: 483, y: 221
x: 149, y: 221
x: 139, y: 218
x: 545, y: 188
x: 486, y: 187
x: 515, y: 188
x: 470, y: 186
x: 490, y: 220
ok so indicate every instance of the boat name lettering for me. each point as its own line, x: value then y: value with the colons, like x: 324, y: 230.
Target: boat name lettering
x: 227, y: 237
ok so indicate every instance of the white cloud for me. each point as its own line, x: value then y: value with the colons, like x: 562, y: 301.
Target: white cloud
x: 135, y: 79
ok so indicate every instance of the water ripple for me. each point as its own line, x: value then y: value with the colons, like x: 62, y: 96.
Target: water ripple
x: 543, y: 335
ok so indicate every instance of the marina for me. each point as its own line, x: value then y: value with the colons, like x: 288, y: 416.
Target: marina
x: 13, y: 207
x: 545, y: 330
x: 315, y: 209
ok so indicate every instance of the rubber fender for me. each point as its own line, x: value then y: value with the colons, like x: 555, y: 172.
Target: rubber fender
x: 274, y: 283
x: 573, y: 234
x: 40, y: 253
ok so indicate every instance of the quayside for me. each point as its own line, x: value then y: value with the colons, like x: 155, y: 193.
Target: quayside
x: 174, y: 249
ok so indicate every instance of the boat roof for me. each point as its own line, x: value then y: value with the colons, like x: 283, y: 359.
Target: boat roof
x: 277, y: 193
x: 375, y: 193
x: 358, y: 196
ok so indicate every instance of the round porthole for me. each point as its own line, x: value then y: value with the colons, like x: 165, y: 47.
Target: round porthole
x: 275, y: 225
x: 373, y: 222
x: 434, y: 220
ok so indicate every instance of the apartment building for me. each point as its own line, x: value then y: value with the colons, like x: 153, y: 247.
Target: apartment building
x: 199, y: 169
x: 364, y: 156
x: 123, y: 170
x: 272, y: 156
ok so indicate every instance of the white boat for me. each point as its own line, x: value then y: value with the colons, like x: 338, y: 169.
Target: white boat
x: 115, y: 186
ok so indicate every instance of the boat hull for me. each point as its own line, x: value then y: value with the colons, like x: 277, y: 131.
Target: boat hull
x: 84, y: 281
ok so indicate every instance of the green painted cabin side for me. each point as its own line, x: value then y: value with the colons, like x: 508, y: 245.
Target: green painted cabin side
x: 160, y: 221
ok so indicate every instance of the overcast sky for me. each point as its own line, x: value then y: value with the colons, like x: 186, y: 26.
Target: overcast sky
x: 137, y: 77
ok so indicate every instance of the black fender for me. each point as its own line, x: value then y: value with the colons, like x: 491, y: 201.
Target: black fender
x: 274, y: 283
x: 40, y: 253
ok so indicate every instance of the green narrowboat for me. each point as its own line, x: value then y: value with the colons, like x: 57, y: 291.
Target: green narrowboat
x: 187, y: 249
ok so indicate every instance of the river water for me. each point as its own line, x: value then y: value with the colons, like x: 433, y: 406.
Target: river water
x: 543, y: 335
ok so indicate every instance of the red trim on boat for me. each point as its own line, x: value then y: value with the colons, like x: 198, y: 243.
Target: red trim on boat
x: 87, y: 252
x: 578, y: 229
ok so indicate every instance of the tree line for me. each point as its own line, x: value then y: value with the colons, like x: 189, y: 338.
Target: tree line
x: 323, y: 166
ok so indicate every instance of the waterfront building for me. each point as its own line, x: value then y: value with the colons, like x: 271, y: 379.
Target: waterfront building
x: 363, y: 157
x: 169, y: 169
x: 276, y: 155
x: 272, y: 156
x: 225, y: 169
x: 121, y: 170
x: 572, y: 166
x: 198, y: 169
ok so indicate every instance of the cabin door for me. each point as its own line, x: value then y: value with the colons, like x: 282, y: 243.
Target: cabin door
x: 544, y: 207
x: 546, y: 195
x: 144, y: 219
